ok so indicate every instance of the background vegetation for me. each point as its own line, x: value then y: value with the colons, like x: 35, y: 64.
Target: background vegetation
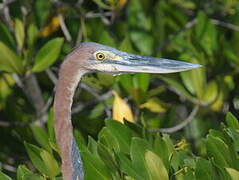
x: 36, y: 35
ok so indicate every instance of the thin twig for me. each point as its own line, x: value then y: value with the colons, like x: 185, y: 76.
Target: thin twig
x: 6, y: 13
x: 51, y: 76
x: 98, y: 97
x: 13, y: 124
x: 97, y: 15
x: 179, y: 126
x: 225, y: 24
x: 9, y: 167
x: 79, y: 107
x: 64, y: 28
x: 191, y: 23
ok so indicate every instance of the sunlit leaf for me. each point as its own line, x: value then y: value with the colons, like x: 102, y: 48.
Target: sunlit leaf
x: 47, y: 55
x: 154, y: 105
x: 32, y: 33
x: 19, y: 33
x: 50, y: 163
x: 121, y: 110
x: 233, y: 173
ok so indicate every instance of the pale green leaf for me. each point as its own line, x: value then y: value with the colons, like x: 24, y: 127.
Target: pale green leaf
x: 19, y: 33
x: 233, y: 173
x: 155, y: 166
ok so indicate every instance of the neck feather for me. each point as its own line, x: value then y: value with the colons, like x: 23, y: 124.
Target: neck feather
x: 69, y: 77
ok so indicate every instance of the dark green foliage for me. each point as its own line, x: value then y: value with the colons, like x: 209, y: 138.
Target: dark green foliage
x: 40, y: 33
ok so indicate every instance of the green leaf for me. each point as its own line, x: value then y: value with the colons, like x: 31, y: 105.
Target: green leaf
x: 50, y: 163
x: 32, y: 176
x: 142, y: 81
x: 101, y: 4
x: 127, y: 167
x: 107, y: 157
x: 106, y: 38
x: 107, y: 138
x: 126, y: 82
x: 47, y: 55
x: 6, y: 37
x: 217, y: 149
x: 92, y: 146
x: 25, y: 174
x: 41, y: 137
x: 137, y: 153
x: 138, y: 37
x: 9, y: 61
x: 194, y: 80
x: 22, y: 171
x: 203, y: 169
x: 94, y: 167
x: 234, y: 134
x: 121, y: 133
x: 32, y: 33
x: 233, y: 173
x: 50, y: 125
x: 176, y: 85
x: 232, y: 121
x: 126, y: 45
x: 161, y: 148
x: 4, y: 176
x: 34, y: 154
x: 155, y: 166
x: 19, y: 33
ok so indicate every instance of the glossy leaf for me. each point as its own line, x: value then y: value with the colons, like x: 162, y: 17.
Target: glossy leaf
x: 47, y: 55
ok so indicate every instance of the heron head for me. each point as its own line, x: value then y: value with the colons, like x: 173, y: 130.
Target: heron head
x: 106, y: 59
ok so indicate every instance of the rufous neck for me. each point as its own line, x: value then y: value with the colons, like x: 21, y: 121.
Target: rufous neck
x: 69, y: 77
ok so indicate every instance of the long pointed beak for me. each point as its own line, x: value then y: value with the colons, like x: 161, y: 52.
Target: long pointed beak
x: 138, y: 64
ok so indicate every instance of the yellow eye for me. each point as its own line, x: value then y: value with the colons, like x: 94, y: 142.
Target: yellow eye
x: 100, y: 56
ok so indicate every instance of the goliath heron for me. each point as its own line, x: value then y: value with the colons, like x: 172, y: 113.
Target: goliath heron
x: 92, y: 57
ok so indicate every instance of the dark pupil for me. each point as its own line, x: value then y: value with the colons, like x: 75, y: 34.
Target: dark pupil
x: 100, y: 56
